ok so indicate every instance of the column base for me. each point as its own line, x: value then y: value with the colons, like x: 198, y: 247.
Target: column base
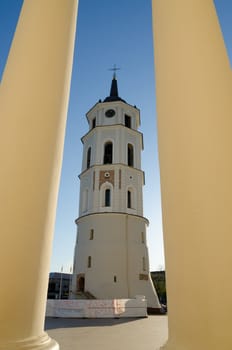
x: 43, y: 342
x: 171, y: 346
x: 166, y: 346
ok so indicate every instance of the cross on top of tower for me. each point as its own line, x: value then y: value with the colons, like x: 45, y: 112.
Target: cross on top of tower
x: 114, y: 69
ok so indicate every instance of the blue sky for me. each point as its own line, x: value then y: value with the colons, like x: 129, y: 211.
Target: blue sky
x: 108, y: 32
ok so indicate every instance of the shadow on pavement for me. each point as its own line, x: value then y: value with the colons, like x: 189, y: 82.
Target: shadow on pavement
x: 54, y: 323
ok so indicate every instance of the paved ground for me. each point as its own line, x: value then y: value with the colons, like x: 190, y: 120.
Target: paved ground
x: 111, y: 334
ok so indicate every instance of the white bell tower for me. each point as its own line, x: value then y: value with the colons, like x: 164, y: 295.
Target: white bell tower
x: 111, y: 255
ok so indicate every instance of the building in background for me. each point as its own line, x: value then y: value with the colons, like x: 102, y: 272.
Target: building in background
x: 111, y: 256
x: 159, y: 282
x: 59, y: 285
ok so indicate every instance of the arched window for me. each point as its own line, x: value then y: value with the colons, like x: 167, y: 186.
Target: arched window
x: 127, y: 121
x: 130, y: 155
x: 91, y: 234
x: 129, y: 205
x: 108, y: 153
x: 88, y: 157
x: 107, y: 197
x: 142, y: 237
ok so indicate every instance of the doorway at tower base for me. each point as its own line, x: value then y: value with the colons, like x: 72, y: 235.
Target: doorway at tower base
x: 108, y: 308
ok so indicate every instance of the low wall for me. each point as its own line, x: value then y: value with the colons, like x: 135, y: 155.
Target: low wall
x: 115, y: 308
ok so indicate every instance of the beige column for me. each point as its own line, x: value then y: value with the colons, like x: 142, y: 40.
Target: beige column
x: 194, y: 105
x: 33, y: 106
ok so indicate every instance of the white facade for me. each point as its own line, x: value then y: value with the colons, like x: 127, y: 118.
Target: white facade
x: 111, y: 256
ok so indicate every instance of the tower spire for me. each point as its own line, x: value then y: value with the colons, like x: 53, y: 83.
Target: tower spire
x: 114, y: 87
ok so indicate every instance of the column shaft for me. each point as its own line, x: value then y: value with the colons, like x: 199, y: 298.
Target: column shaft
x: 193, y: 85
x: 33, y: 106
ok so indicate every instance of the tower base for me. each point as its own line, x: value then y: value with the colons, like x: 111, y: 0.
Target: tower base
x: 93, y: 308
x: 111, y: 258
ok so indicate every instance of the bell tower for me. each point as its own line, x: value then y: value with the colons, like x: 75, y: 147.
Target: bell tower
x: 111, y: 256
